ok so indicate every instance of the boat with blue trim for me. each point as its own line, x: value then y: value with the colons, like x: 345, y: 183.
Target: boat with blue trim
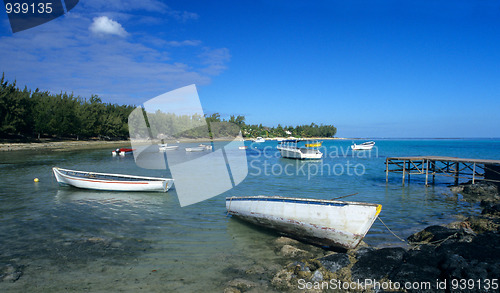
x: 332, y: 223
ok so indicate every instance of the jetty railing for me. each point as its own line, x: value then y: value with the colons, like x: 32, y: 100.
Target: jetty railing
x: 458, y: 168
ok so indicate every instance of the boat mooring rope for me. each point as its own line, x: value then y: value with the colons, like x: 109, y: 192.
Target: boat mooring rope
x: 229, y: 207
x: 391, y: 230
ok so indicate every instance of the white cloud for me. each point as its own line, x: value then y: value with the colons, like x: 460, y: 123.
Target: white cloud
x: 62, y: 56
x: 103, y: 25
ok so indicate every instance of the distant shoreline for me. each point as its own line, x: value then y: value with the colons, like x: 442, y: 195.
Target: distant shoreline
x: 67, y: 145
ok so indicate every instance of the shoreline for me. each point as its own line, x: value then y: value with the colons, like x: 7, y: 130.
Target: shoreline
x: 66, y: 145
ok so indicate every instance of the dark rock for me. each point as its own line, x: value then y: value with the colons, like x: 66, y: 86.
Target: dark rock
x: 434, y: 234
x: 493, y: 210
x: 477, y: 259
x: 483, y: 224
x: 335, y: 262
x: 482, y: 191
x: 418, y: 265
x: 377, y: 264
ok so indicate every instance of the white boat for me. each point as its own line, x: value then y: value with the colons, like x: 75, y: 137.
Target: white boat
x: 259, y: 139
x: 290, y: 149
x: 165, y: 147
x: 207, y: 147
x: 325, y: 222
x: 364, y: 146
x: 111, y: 182
x: 196, y: 149
x: 121, y: 152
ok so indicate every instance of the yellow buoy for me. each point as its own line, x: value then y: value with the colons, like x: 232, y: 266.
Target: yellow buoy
x: 36, y: 180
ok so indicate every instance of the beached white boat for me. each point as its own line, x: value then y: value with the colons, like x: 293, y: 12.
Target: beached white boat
x: 111, y: 182
x: 165, y: 147
x: 364, y: 146
x: 259, y: 139
x: 325, y: 222
x: 290, y: 149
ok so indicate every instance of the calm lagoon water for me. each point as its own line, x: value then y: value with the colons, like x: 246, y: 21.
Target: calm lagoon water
x: 65, y: 239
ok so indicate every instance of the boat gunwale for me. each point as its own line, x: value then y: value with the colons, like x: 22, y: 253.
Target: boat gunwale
x: 325, y: 202
x: 148, y: 179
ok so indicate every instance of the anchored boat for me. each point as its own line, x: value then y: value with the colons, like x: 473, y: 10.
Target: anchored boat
x: 364, y: 146
x: 111, y: 182
x: 325, y: 222
x: 122, y: 151
x: 290, y: 149
x: 165, y: 147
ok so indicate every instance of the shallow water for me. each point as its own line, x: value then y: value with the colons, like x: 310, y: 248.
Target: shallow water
x: 65, y: 239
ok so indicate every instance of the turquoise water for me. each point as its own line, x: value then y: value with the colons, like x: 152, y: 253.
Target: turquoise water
x: 65, y: 239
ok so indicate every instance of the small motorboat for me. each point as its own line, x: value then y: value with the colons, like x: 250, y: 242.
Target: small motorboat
x: 259, y: 140
x: 111, y: 182
x: 290, y: 149
x: 364, y: 146
x: 243, y: 147
x: 165, y: 147
x: 196, y: 149
x: 329, y: 223
x: 122, y: 151
x: 207, y: 147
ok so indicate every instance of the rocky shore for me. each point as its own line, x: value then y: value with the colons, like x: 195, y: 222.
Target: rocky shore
x: 459, y: 257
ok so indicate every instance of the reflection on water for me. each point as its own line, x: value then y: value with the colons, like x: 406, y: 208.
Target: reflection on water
x: 65, y: 239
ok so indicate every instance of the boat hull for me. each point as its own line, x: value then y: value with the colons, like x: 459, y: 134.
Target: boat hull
x: 361, y: 147
x: 324, y: 222
x: 91, y: 181
x: 300, y: 153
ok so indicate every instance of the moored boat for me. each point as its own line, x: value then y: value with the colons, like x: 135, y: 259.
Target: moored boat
x: 122, y: 151
x: 290, y: 149
x: 165, y: 147
x: 259, y: 140
x: 330, y: 223
x: 195, y: 149
x: 111, y: 182
x: 207, y: 147
x: 364, y: 146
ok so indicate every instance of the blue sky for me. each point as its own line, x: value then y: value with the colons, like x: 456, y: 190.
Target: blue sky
x: 371, y: 68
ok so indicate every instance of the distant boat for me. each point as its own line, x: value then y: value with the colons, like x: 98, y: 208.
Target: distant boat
x: 325, y: 222
x: 111, y: 182
x: 259, y: 139
x: 165, y: 147
x: 207, y: 147
x: 364, y: 146
x: 243, y: 147
x: 122, y: 151
x: 196, y: 149
x: 290, y: 149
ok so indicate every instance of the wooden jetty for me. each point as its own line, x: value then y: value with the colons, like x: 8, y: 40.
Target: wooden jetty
x: 471, y: 169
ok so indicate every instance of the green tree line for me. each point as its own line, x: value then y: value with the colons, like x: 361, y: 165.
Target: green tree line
x: 35, y: 113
